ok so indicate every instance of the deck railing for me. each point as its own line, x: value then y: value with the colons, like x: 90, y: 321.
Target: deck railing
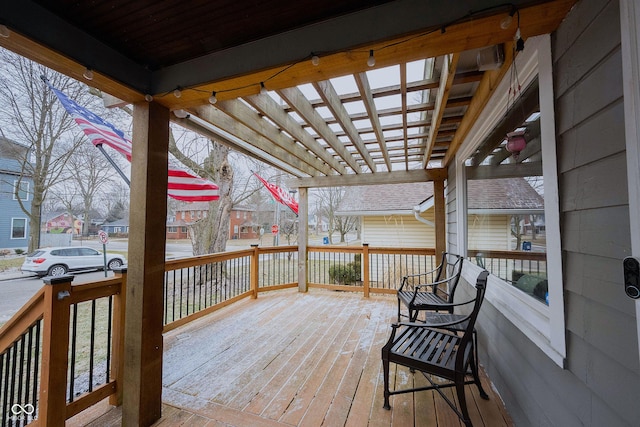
x: 509, y: 265
x: 45, y: 384
x: 62, y: 352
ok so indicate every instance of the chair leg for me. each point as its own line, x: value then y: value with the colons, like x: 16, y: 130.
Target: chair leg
x: 476, y: 377
x: 462, y: 401
x: 385, y: 369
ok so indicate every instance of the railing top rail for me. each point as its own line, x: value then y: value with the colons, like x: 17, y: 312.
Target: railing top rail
x: 277, y: 249
x: 402, y: 251
x: 520, y: 255
x: 336, y: 249
x: 175, y: 264
x: 32, y: 311
x: 94, y: 290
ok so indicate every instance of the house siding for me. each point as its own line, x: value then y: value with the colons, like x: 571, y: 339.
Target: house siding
x: 11, y: 210
x: 600, y: 384
x: 398, y: 231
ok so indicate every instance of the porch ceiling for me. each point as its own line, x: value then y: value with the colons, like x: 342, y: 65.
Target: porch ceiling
x: 340, y: 122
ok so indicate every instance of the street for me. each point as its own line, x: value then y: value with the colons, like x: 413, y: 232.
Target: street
x: 18, y: 290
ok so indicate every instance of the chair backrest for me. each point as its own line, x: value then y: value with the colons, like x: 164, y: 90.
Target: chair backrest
x: 451, y: 268
x: 481, y: 286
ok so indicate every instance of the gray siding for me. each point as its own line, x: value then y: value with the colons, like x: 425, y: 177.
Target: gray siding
x: 600, y: 385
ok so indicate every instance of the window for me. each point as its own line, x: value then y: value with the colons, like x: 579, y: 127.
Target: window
x: 509, y: 210
x: 505, y: 215
x: 171, y: 229
x: 245, y: 215
x: 184, y: 229
x: 235, y: 229
x: 18, y: 228
x: 22, y: 190
x: 237, y: 214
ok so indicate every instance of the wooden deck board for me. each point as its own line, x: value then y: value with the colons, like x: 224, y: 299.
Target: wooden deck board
x: 293, y: 359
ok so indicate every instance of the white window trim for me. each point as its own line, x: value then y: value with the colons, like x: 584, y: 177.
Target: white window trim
x: 544, y: 326
x: 26, y: 224
x: 16, y: 183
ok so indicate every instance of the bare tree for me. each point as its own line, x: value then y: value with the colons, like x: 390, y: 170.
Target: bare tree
x: 329, y: 199
x: 89, y: 172
x: 34, y: 117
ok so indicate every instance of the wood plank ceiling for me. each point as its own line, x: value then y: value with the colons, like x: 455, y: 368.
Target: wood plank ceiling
x: 326, y: 115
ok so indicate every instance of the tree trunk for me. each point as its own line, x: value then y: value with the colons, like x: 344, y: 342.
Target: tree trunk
x: 210, y: 234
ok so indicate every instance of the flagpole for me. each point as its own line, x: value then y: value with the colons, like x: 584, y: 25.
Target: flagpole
x: 115, y: 166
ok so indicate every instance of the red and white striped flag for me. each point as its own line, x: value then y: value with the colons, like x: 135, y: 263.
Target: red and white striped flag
x: 182, y: 184
x: 280, y: 195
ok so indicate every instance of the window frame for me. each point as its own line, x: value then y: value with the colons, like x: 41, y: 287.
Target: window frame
x: 16, y: 184
x: 26, y: 224
x: 543, y: 325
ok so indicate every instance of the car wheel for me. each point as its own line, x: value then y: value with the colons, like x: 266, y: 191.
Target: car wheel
x: 114, y: 263
x: 57, y: 270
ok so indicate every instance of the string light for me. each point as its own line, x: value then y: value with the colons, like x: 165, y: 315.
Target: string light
x: 372, y: 60
x: 88, y: 73
x: 4, y: 31
x: 148, y: 98
x: 181, y: 114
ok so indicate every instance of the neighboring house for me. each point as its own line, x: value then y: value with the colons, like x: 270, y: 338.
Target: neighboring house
x: 402, y: 215
x: 63, y: 222
x: 241, y: 223
x: 14, y: 223
x: 120, y: 226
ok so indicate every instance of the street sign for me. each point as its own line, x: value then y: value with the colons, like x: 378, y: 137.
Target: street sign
x: 274, y: 229
x: 103, y: 236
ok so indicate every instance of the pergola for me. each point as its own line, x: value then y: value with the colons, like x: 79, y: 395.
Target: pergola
x: 172, y: 59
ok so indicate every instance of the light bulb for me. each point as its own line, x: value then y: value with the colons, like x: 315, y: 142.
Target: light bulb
x: 177, y: 93
x: 506, y: 22
x: 263, y: 90
x: 372, y: 60
x: 181, y: 114
x: 88, y: 74
x: 315, y: 60
x: 4, y: 31
x: 148, y: 98
x: 212, y: 98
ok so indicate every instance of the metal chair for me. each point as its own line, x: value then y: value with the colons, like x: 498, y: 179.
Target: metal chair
x: 436, y: 349
x: 430, y: 296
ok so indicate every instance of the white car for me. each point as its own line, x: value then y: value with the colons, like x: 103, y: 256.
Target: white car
x: 59, y: 261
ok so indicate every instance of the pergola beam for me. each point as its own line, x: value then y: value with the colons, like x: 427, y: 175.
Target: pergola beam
x: 396, y: 177
x: 372, y: 111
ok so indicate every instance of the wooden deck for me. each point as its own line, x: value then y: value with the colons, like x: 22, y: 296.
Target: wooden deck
x: 292, y: 359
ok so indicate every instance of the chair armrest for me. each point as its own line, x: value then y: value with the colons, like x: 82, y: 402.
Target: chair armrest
x: 422, y: 274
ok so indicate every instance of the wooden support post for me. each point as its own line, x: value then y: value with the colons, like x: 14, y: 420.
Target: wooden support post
x: 55, y: 352
x: 440, y: 217
x: 142, y: 399
x: 255, y: 259
x: 365, y: 269
x: 303, y: 221
x: 117, y: 337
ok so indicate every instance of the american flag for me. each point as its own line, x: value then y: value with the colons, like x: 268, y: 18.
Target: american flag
x: 280, y: 195
x: 182, y: 184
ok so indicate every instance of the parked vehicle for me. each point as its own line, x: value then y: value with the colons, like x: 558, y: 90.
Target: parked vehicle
x: 58, y: 261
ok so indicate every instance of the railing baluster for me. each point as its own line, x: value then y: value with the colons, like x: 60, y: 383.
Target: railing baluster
x: 92, y: 344
x: 72, y: 363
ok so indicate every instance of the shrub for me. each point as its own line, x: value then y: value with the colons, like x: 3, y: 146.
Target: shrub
x: 18, y: 251
x: 346, y: 274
